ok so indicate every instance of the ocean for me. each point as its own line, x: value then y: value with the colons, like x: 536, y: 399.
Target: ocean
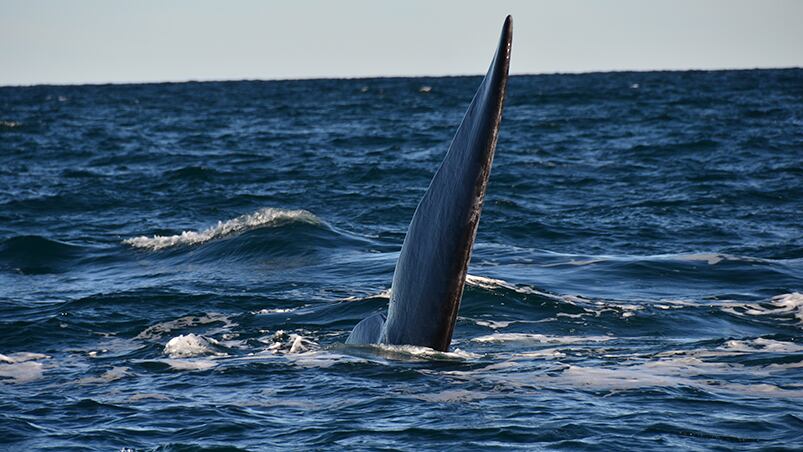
x: 181, y: 263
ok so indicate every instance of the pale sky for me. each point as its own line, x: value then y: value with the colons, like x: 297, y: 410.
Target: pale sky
x: 97, y: 41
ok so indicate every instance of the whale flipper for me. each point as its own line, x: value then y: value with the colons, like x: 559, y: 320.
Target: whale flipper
x: 431, y: 270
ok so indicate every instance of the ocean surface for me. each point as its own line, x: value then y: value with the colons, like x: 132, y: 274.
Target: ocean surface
x: 180, y: 265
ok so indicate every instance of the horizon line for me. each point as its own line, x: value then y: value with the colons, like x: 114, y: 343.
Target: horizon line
x: 369, y: 77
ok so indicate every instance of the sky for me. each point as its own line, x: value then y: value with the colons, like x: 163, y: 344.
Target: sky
x: 101, y: 41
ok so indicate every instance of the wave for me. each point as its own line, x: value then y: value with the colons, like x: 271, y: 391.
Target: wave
x: 267, y: 217
x: 191, y: 173
x: 33, y: 254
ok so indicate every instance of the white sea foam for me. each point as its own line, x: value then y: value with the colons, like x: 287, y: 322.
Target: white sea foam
x: 148, y: 396
x: 21, y: 357
x: 405, y: 352
x: 110, y: 375
x: 701, y: 368
x: 679, y: 370
x: 784, y: 304
x: 496, y: 325
x: 762, y: 345
x: 674, y: 372
x: 546, y: 353
x: 502, y: 324
x: 189, y: 364
x: 273, y: 311
x: 21, y: 367
x: 590, y: 307
x: 385, y: 294
x: 451, y: 396
x: 158, y: 330
x: 267, y: 217
x: 492, y: 284
x: 710, y: 258
x: 319, y: 359
x: 282, y: 342
x: 484, y: 282
x: 790, y: 302
x: 186, y: 346
x: 539, y: 338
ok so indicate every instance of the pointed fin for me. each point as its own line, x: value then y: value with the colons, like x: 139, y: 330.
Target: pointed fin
x: 431, y: 270
x: 368, y: 330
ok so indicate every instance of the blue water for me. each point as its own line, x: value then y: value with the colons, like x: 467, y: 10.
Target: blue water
x: 180, y: 265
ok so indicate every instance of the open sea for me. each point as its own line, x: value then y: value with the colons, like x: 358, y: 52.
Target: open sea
x: 180, y: 265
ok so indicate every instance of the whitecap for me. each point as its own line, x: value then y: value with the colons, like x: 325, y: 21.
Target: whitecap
x: 267, y: 217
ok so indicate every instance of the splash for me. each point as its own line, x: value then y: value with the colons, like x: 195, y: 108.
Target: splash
x: 267, y: 217
x: 190, y: 345
x: 288, y: 343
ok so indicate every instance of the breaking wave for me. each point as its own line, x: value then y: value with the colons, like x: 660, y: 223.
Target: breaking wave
x: 267, y: 217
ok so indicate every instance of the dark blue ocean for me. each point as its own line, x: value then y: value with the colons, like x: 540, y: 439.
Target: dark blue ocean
x: 180, y: 265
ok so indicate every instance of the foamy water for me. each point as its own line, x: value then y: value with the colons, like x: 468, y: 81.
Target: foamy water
x: 635, y: 284
x: 267, y: 217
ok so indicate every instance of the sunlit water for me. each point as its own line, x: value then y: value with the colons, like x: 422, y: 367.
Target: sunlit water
x: 180, y: 265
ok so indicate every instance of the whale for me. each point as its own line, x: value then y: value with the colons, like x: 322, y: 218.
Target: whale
x: 431, y: 269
